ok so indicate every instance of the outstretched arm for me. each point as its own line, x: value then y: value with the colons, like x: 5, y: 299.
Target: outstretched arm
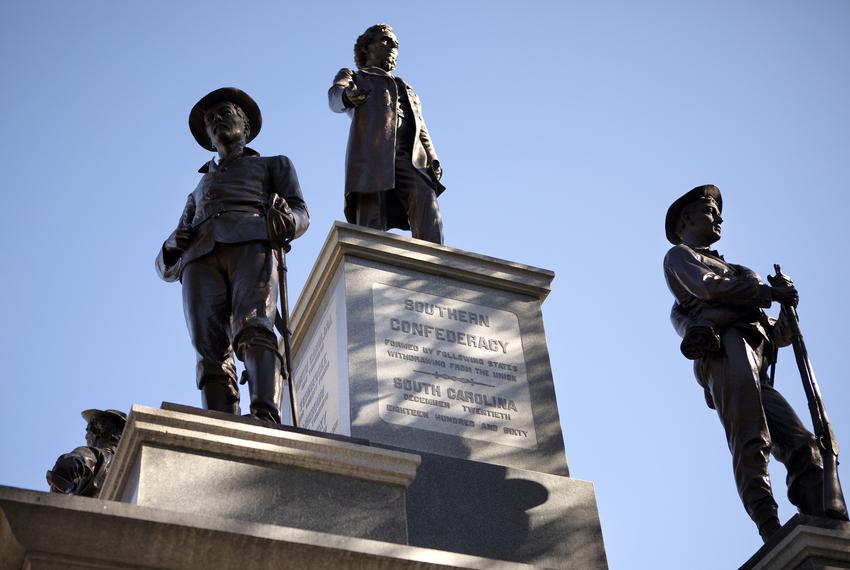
x: 345, y: 94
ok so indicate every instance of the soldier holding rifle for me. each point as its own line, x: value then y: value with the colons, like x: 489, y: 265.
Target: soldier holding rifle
x: 719, y: 313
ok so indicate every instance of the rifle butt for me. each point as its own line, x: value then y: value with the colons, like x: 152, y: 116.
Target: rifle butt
x: 833, y: 498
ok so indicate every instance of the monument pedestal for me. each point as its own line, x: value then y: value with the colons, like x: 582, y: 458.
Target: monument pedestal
x: 43, y: 531
x: 429, y: 348
x: 194, y: 489
x: 426, y: 348
x: 429, y: 438
x: 805, y: 543
x: 214, y: 464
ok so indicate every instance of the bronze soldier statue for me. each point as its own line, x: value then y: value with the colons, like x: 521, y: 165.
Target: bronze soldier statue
x: 392, y: 173
x: 719, y: 313
x: 226, y: 252
x: 83, y: 471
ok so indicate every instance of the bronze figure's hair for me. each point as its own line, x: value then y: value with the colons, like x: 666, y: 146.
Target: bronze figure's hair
x: 371, y: 34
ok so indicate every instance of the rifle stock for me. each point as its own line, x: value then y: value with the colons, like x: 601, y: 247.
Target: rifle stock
x: 833, y: 497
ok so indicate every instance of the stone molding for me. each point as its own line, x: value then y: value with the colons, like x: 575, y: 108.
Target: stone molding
x: 805, y: 542
x: 43, y: 531
x: 242, y: 441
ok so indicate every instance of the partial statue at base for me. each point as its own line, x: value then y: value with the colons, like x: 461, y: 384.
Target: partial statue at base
x: 83, y: 471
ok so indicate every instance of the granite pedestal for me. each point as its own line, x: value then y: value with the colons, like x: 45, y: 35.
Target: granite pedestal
x: 429, y: 348
x: 42, y: 531
x: 218, y: 465
x: 198, y: 462
x: 805, y: 543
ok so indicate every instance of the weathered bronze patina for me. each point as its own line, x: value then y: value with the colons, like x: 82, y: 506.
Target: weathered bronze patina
x: 226, y: 251
x: 392, y: 173
x: 719, y: 314
x: 83, y: 471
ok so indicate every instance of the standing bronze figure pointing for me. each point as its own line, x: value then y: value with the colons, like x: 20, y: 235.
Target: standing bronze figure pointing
x: 719, y: 313
x: 392, y: 173
x: 226, y: 252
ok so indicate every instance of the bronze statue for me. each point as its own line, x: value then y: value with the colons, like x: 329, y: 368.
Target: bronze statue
x: 226, y: 251
x: 83, y: 471
x: 392, y: 173
x: 719, y: 313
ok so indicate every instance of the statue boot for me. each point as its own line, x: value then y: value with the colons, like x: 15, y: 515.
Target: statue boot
x: 807, y: 494
x: 221, y: 395
x: 765, y: 515
x: 768, y: 528
x: 262, y: 366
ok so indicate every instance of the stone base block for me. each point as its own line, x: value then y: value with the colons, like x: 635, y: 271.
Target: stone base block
x: 426, y: 347
x: 41, y: 531
x: 210, y: 464
x: 805, y: 543
x: 505, y: 513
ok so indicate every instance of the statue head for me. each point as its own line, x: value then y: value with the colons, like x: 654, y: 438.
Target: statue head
x: 377, y: 47
x: 695, y: 217
x: 224, y: 117
x: 104, y: 427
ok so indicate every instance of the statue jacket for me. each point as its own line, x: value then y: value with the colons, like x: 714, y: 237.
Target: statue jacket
x: 229, y: 206
x: 709, y: 289
x: 370, y: 157
x: 83, y: 471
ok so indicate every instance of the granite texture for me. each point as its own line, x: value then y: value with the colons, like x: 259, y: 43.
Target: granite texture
x: 805, y: 543
x: 549, y: 455
x: 42, y: 531
x: 503, y: 513
x: 195, y: 463
x: 191, y: 482
x: 356, y: 258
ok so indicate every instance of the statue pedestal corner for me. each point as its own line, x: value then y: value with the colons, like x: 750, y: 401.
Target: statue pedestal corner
x: 805, y: 543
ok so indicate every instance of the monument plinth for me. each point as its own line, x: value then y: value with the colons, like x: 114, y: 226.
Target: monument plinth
x: 214, y: 464
x: 429, y: 348
x: 42, y: 531
x: 805, y: 543
x: 428, y: 437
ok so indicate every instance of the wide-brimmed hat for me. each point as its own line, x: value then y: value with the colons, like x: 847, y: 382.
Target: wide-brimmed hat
x: 674, y: 212
x: 117, y: 416
x: 235, y: 96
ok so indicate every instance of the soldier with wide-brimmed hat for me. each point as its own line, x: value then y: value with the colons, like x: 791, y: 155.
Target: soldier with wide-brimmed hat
x: 719, y: 313
x: 83, y: 471
x: 226, y: 252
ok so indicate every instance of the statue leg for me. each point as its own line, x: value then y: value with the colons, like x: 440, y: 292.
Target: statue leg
x: 264, y: 381
x: 796, y: 447
x: 372, y: 210
x: 420, y: 202
x: 733, y: 380
x: 206, y: 306
x: 253, y: 273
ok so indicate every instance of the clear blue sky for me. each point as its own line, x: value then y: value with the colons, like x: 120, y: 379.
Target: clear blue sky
x: 565, y: 129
